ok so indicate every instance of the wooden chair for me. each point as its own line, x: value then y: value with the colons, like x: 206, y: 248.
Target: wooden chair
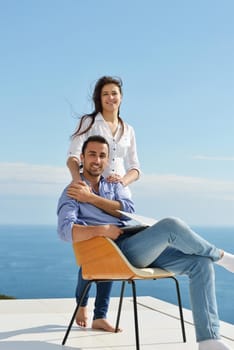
x: 103, y: 261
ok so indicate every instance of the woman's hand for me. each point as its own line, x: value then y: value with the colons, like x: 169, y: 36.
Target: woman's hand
x: 115, y: 178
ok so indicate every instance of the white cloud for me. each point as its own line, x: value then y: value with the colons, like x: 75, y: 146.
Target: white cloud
x: 170, y: 184
x: 39, y: 180
x: 32, y: 179
x: 196, y: 200
x: 215, y: 158
x: 27, y: 188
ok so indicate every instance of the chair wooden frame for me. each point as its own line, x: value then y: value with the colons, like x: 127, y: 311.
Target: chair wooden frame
x: 102, y: 261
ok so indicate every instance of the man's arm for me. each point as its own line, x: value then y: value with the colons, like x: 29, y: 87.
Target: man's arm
x: 72, y: 227
x: 82, y: 193
x: 83, y: 233
x: 108, y: 205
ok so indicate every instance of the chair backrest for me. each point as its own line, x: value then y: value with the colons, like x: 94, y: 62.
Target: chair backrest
x: 101, y: 258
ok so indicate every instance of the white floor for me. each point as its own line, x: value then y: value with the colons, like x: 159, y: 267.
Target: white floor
x: 40, y: 324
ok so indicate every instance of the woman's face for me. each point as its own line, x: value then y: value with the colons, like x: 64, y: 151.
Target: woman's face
x: 110, y: 98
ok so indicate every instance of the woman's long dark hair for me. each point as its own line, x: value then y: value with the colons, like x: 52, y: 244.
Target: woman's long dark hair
x: 98, y: 105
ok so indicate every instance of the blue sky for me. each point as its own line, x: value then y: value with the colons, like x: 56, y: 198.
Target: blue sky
x: 176, y: 59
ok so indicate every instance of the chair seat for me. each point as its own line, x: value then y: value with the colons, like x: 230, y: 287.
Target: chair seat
x: 148, y: 272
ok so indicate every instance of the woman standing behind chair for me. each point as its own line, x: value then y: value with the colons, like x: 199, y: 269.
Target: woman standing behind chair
x: 123, y: 165
x: 105, y: 120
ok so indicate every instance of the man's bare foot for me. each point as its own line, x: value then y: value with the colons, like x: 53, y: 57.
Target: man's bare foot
x: 82, y: 316
x: 103, y: 324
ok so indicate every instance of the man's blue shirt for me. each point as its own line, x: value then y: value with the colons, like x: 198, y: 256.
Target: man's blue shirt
x: 71, y: 211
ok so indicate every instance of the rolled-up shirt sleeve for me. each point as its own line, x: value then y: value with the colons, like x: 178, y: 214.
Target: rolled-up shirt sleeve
x: 75, y: 147
x: 122, y: 195
x: 131, y: 160
x: 78, y: 141
x: 67, y: 212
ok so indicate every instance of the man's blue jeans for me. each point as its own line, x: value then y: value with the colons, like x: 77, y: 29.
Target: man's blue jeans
x: 172, y: 245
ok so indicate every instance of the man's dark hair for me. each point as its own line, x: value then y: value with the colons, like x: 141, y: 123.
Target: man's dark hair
x: 94, y: 138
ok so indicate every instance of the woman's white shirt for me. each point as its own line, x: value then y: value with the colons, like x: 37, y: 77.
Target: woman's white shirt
x: 123, y: 151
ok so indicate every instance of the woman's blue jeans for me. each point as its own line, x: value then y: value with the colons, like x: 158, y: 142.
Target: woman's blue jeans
x: 173, y: 245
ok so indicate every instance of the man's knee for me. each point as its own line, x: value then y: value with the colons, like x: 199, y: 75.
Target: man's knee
x: 171, y: 222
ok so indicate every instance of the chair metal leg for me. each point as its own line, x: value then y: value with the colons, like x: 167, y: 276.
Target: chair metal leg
x: 134, y: 306
x: 135, y: 314
x: 74, y: 313
x: 120, y: 306
x: 180, y: 308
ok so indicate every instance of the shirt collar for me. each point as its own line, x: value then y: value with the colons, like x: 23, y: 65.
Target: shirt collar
x: 99, y: 117
x: 85, y: 180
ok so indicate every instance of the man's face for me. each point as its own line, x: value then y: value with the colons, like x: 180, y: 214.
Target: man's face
x: 95, y: 158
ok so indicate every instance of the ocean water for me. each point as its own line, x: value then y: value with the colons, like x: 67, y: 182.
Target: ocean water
x: 35, y: 263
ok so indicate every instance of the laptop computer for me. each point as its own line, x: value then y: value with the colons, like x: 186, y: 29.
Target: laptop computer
x: 143, y: 220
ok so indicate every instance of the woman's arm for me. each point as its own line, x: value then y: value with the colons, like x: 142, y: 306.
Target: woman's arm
x: 131, y: 176
x: 74, y: 151
x: 73, y: 165
x: 131, y: 161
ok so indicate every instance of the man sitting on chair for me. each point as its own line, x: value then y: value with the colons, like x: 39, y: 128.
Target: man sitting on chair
x: 89, y: 209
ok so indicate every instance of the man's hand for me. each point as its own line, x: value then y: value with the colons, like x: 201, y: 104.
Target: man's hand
x: 79, y: 191
x: 110, y: 231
